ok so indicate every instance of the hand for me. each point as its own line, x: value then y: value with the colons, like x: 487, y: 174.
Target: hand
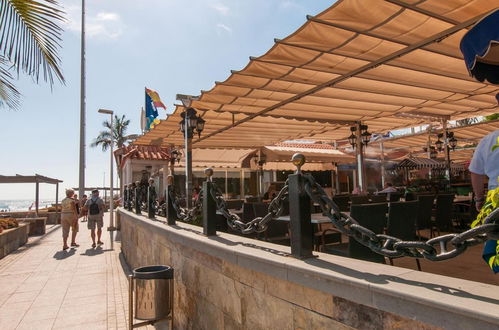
x: 478, y: 206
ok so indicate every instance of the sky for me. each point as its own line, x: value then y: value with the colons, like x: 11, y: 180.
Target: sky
x: 171, y: 46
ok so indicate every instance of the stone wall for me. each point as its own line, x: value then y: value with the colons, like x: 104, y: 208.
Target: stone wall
x: 53, y: 218
x: 232, y: 282
x: 11, y: 239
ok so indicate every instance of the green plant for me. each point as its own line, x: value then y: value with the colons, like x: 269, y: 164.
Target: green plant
x: 30, y: 41
x: 120, y: 126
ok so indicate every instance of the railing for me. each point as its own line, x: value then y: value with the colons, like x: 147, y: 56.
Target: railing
x: 300, y: 189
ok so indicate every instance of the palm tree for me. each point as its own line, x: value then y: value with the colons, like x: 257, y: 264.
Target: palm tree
x: 29, y: 42
x: 120, y: 126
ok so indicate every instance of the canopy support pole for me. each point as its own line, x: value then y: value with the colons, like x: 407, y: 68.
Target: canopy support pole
x: 57, y: 198
x: 383, y: 171
x: 446, y: 150
x: 37, y: 195
x: 360, y: 160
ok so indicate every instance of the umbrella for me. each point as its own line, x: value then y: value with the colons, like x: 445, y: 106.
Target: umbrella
x: 480, y: 47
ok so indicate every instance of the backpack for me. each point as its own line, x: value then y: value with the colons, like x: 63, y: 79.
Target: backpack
x: 93, y: 209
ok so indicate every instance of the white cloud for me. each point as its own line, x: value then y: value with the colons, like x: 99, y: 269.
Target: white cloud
x: 103, y: 25
x: 221, y: 8
x: 224, y: 27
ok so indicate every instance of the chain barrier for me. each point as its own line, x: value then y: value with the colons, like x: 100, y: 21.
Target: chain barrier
x: 258, y: 224
x: 435, y: 249
x: 185, y: 214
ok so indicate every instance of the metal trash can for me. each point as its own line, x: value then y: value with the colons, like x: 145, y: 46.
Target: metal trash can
x: 153, y: 293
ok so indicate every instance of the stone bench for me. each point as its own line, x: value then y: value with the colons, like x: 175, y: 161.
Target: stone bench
x: 11, y: 239
x: 36, y: 225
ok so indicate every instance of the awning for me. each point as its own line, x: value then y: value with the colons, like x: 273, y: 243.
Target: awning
x: 217, y: 158
x: 390, y: 64
x: 480, y: 47
x: 420, y: 163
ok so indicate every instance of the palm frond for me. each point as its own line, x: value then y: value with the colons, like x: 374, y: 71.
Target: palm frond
x: 30, y: 37
x: 9, y: 95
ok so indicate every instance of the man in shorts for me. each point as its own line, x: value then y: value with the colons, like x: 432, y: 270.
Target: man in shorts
x: 95, y: 208
x: 69, y: 219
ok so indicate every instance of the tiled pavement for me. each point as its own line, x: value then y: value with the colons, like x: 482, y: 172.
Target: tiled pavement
x: 42, y: 287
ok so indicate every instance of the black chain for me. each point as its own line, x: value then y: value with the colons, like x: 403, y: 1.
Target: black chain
x: 436, y: 249
x: 258, y: 224
x: 185, y: 214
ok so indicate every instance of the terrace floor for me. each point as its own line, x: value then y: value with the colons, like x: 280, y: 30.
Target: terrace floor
x: 43, y: 287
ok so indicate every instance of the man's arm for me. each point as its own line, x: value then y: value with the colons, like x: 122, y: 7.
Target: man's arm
x: 477, y: 183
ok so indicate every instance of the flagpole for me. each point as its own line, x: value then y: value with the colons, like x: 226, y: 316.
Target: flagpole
x: 81, y: 181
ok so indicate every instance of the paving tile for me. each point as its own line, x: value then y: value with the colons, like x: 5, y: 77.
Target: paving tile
x: 29, y: 296
x: 36, y: 325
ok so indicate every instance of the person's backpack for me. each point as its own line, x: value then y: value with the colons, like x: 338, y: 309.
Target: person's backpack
x: 93, y: 209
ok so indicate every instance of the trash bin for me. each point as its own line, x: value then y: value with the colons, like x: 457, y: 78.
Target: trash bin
x: 153, y: 292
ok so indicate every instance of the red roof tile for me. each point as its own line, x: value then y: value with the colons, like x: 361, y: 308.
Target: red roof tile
x: 143, y: 152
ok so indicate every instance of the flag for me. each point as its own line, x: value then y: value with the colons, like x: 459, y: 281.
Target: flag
x: 152, y: 103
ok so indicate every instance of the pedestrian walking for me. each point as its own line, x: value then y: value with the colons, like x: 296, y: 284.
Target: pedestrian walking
x: 95, y: 208
x: 69, y: 219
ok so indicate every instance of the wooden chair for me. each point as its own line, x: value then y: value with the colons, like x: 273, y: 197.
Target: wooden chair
x: 378, y: 198
x: 423, y: 220
x: 402, y: 217
x: 277, y: 232
x: 342, y: 202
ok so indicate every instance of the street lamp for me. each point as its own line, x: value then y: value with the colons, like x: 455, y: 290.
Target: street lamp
x: 111, y: 204
x: 190, y: 122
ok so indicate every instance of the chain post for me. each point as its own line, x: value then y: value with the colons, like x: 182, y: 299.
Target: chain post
x: 171, y: 213
x: 302, y: 231
x: 151, y: 199
x: 137, y: 197
x: 209, y: 206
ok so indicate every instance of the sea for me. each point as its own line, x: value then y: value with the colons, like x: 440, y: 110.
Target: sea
x: 23, y: 204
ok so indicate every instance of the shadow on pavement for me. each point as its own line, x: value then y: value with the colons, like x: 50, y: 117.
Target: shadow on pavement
x: 60, y: 255
x: 94, y: 251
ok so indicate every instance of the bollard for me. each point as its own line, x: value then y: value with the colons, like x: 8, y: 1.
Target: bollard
x: 209, y: 206
x: 137, y: 197
x: 125, y: 197
x: 131, y: 196
x: 302, y: 231
x: 151, y: 199
x: 171, y: 213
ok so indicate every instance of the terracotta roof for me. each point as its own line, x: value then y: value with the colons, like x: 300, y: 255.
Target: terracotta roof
x: 142, y: 152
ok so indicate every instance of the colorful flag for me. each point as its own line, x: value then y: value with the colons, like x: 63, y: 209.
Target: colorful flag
x: 152, y: 103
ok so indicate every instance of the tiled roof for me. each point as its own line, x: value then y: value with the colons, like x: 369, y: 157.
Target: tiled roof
x: 143, y: 152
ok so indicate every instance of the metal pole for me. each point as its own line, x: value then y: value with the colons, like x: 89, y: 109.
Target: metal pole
x: 226, y: 185
x: 446, y: 150
x: 188, y: 163
x: 57, y: 199
x: 360, y: 160
x: 111, y: 202
x: 383, y: 172
x: 81, y: 181
x: 301, y: 227
x: 37, y: 197
x: 209, y: 210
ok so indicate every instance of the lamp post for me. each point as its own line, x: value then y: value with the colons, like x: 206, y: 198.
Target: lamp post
x: 111, y: 204
x: 359, y: 138
x: 190, y: 122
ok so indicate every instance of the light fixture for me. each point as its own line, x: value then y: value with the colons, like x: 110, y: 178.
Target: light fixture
x: 433, y: 153
x: 365, y: 135
x: 200, y: 125
x: 352, y: 139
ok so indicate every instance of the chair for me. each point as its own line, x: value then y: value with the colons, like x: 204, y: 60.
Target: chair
x: 342, y: 202
x: 423, y: 220
x: 324, y: 234
x: 372, y: 216
x: 248, y: 212
x: 252, y: 199
x: 277, y: 232
x: 394, y: 196
x: 464, y: 213
x: 260, y: 209
x: 378, y: 199
x: 443, y: 214
x: 410, y: 196
x: 402, y: 217
x: 234, y: 204
x: 361, y: 199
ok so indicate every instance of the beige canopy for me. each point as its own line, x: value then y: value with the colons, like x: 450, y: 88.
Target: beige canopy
x: 390, y: 64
